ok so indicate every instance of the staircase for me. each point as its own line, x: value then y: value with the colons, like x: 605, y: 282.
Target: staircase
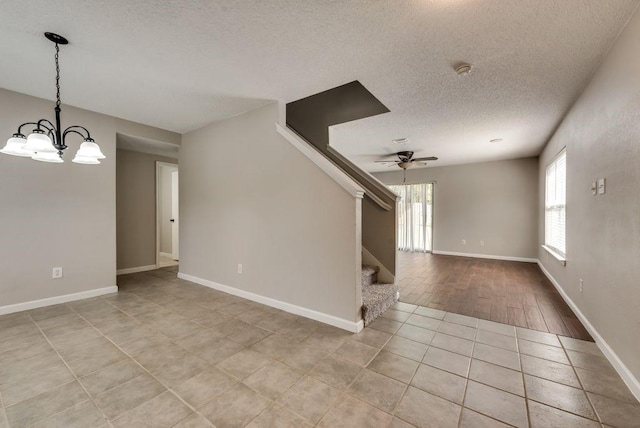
x: 376, y: 298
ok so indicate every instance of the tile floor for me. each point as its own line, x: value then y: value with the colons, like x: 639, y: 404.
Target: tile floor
x: 166, y: 352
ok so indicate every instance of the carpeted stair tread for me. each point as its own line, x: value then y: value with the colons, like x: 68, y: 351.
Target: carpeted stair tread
x: 376, y: 299
x: 369, y: 274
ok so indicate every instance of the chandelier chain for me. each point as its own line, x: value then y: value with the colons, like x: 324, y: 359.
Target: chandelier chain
x: 57, y: 77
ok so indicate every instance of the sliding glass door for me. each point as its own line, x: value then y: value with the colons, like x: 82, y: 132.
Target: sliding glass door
x: 415, y: 217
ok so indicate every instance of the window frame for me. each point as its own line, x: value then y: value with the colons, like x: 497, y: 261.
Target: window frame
x: 553, y: 204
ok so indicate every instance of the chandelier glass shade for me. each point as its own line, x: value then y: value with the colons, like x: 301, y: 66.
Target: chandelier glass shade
x: 47, y: 141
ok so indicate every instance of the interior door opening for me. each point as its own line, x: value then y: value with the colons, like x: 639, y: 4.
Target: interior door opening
x: 415, y: 217
x: 167, y: 215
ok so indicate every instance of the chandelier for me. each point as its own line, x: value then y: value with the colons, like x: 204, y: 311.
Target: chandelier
x: 47, y: 141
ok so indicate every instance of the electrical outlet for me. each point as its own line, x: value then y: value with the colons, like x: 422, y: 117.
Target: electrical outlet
x: 581, y: 285
x: 239, y: 268
x: 464, y: 242
x: 56, y: 273
x: 482, y: 243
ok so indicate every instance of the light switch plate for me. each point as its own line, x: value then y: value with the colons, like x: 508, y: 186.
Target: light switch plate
x: 601, y: 186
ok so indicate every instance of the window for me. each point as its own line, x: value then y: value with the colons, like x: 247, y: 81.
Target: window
x: 415, y: 216
x: 555, y: 205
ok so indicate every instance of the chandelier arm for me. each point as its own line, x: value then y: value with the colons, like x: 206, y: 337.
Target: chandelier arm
x: 24, y: 124
x: 70, y: 128
x: 72, y: 131
x: 40, y: 125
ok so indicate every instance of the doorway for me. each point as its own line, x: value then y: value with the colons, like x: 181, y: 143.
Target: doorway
x: 415, y: 217
x: 167, y: 215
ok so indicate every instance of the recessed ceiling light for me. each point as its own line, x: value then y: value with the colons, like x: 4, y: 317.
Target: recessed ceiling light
x: 463, y: 69
x: 400, y: 141
x: 496, y: 140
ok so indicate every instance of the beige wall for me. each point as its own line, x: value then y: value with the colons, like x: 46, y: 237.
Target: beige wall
x: 136, y: 208
x: 58, y: 215
x: 494, y: 202
x: 165, y: 213
x: 247, y: 196
x: 602, y: 136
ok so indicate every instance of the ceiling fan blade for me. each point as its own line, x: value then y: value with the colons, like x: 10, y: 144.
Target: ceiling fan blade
x: 428, y: 158
x: 389, y: 161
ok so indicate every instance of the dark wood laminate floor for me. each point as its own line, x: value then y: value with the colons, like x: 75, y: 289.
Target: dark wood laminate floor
x: 513, y: 293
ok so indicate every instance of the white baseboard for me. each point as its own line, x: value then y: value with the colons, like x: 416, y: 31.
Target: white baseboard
x: 33, y: 304
x: 629, y: 379
x: 486, y: 256
x: 169, y: 255
x: 351, y: 326
x: 136, y: 269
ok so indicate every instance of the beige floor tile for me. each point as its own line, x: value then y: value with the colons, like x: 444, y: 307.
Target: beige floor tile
x: 18, y: 331
x: 219, y: 351
x: 448, y: 361
x: 165, y: 410
x: 199, y: 341
x: 354, y: 413
x: 458, y: 330
x: 196, y: 420
x: 429, y: 312
x: 249, y: 335
x: 497, y: 376
x: 404, y: 307
x: 356, y: 352
x: 128, y: 335
x: 438, y: 382
x: 496, y: 327
x: 538, y: 336
x: 542, y: 351
x: 46, y: 404
x: 244, y: 363
x: 497, y: 404
x: 406, y: 348
x: 273, y: 379
x: 498, y: 356
x: 392, y: 314
x: 129, y: 395
x: 424, y: 322
x: 22, y: 353
x: 581, y: 346
x: 18, y: 341
x: 275, y: 346
x: 111, y: 376
x: 204, y: 387
x: 385, y: 325
x: 590, y: 361
x: 564, y: 397
x: 471, y: 419
x: 616, y: 413
x: 22, y: 369
x: 549, y: 370
x: 394, y: 366
x: 61, y: 325
x: 498, y: 340
x: 252, y: 316
x: 605, y: 383
x: 278, y: 416
x: 453, y: 344
x: 399, y: 423
x: 461, y: 319
x: 327, y: 341
x: 377, y: 390
x: 235, y: 408
x: 310, y: 398
x: 336, y: 372
x: 426, y: 410
x: 24, y: 389
x: 302, y: 358
x: 179, y: 370
x: 155, y: 357
x: 85, y: 415
x: 212, y: 319
x: 98, y: 354
x: 542, y: 416
x: 417, y: 334
x: 372, y: 337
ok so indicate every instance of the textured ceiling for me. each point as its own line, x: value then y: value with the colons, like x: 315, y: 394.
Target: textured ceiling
x: 180, y: 65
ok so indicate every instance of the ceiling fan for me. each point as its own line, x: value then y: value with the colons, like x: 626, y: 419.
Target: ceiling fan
x: 406, y: 160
